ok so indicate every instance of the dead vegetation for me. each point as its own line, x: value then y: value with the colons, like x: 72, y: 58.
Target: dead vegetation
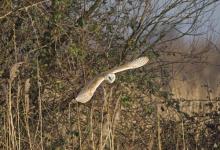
x: 50, y: 49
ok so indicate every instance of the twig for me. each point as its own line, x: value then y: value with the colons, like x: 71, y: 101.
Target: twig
x: 102, y: 118
x: 26, y: 109
x: 184, y: 144
x: 26, y: 7
x: 40, y: 105
x: 91, y: 125
x: 18, y: 116
x: 79, y: 128
x: 158, y: 129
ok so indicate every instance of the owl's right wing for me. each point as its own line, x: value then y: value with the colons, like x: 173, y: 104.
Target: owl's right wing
x: 89, y: 89
x: 139, y: 62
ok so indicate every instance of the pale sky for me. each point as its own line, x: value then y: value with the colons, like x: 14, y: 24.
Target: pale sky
x: 215, y: 21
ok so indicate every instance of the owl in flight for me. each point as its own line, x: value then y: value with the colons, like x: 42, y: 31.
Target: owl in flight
x: 89, y: 89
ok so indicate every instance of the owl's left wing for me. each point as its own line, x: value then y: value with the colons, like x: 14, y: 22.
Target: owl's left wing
x: 139, y: 62
x: 88, y: 91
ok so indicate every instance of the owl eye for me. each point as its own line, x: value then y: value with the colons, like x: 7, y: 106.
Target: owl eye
x: 110, y: 79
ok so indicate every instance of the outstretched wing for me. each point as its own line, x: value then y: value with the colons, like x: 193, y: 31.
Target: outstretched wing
x: 131, y: 65
x: 88, y: 91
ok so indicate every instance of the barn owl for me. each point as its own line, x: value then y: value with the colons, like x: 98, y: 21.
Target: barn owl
x: 89, y: 89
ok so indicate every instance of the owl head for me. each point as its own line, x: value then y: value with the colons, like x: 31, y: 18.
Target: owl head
x: 110, y: 77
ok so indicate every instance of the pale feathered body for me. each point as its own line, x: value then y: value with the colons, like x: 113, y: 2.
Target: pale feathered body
x: 88, y: 91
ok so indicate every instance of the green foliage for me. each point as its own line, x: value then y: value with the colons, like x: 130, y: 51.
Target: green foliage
x: 131, y: 43
x: 95, y: 28
x: 58, y: 85
x: 1, y: 72
x: 129, y: 77
x: 165, y: 94
x: 73, y: 133
x: 60, y: 2
x: 47, y: 59
x: 153, y: 87
x: 60, y: 7
x: 126, y: 100
x: 173, y: 103
x: 152, y: 54
x: 112, y: 53
x: 58, y: 144
x: 77, y: 52
x: 81, y: 22
x: 57, y: 16
x: 149, y: 109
